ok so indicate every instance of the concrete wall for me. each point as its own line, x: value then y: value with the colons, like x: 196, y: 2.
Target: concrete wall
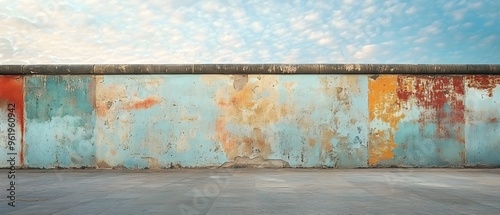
x: 310, y: 120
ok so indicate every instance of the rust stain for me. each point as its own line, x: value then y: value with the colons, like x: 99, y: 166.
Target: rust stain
x: 145, y: 103
x: 12, y: 91
x: 381, y: 146
x: 264, y: 149
x: 312, y: 142
x: 326, y: 136
x: 239, y: 81
x: 441, y: 97
x: 228, y: 142
x: 290, y: 86
x: 109, y: 98
x: 107, y: 95
x: 383, y: 104
x: 484, y: 82
x: 253, y: 104
x: 103, y: 164
x: 434, y: 93
x: 342, y: 93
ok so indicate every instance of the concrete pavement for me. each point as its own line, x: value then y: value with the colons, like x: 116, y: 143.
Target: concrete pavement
x: 254, y: 191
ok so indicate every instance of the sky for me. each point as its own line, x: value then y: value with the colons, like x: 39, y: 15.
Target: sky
x: 246, y: 31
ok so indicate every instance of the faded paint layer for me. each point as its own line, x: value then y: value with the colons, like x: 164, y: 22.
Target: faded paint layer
x: 483, y: 121
x: 11, y: 106
x: 156, y: 121
x: 420, y: 119
x: 276, y: 117
x: 60, y: 121
x: 385, y: 115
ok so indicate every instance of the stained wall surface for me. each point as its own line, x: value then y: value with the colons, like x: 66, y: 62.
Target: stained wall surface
x: 11, y: 121
x: 340, y: 121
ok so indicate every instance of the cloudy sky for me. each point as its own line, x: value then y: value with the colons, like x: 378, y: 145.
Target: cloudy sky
x: 243, y: 31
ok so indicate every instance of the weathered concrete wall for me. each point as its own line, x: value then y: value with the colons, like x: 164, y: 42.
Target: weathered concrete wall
x: 309, y: 120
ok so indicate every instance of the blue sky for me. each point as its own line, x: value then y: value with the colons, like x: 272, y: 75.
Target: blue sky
x: 241, y: 31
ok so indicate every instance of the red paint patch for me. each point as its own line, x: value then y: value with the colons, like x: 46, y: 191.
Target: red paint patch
x: 442, y: 96
x: 483, y: 82
x: 145, y: 104
x: 435, y: 93
x: 12, y: 92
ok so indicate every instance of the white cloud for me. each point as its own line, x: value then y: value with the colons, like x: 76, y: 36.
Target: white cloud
x: 369, y: 10
x: 421, y: 40
x: 411, y: 11
x: 311, y: 17
x: 324, y: 41
x: 432, y: 29
x: 256, y: 26
x: 459, y: 14
x: 366, y: 52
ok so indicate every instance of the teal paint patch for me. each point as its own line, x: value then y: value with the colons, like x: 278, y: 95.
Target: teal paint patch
x: 483, y: 127
x: 419, y: 146
x: 328, y: 126
x: 60, y: 121
x: 177, y: 129
x: 58, y: 96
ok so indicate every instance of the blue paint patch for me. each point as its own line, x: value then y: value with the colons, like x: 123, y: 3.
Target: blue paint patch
x: 425, y: 149
x: 483, y: 127
x: 60, y: 121
x: 322, y: 117
x: 179, y: 130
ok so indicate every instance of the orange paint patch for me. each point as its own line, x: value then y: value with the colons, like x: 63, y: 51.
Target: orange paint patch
x: 228, y: 142
x: 312, y: 142
x: 381, y: 146
x: 326, y: 137
x: 12, y: 92
x: 145, y: 104
x: 383, y: 105
x: 110, y: 98
x: 383, y: 102
x: 250, y: 106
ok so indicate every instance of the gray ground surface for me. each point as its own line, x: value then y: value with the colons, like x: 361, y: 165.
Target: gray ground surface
x: 254, y: 191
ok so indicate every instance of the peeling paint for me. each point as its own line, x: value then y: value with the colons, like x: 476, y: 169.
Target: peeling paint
x: 144, y: 103
x: 12, y: 92
x: 482, y: 125
x: 385, y: 115
x: 429, y: 123
x: 253, y: 105
x: 60, y: 121
x: 483, y: 82
x: 239, y: 81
